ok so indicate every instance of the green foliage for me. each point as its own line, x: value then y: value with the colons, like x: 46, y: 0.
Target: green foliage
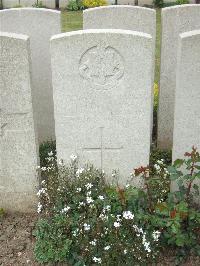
x: 38, y: 4
x: 94, y: 3
x: 182, y: 2
x: 87, y: 221
x: 52, y: 244
x: 158, y: 3
x: 75, y: 5
x: 45, y: 148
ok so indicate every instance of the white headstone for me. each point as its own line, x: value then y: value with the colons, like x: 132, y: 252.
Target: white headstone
x: 18, y: 146
x: 39, y: 25
x: 102, y: 103
x: 175, y: 20
x: 187, y: 97
x: 123, y: 17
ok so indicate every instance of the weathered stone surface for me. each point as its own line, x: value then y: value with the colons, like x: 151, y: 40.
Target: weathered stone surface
x: 123, y: 17
x: 102, y: 89
x: 187, y: 97
x: 39, y: 25
x: 175, y: 20
x: 18, y: 146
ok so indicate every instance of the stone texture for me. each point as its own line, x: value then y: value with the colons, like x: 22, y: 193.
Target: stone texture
x: 102, y: 89
x: 27, y: 3
x: 175, y: 20
x: 18, y: 146
x: 123, y: 17
x: 187, y: 97
x: 39, y: 25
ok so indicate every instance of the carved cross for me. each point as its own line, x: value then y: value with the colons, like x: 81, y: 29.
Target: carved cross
x: 101, y: 147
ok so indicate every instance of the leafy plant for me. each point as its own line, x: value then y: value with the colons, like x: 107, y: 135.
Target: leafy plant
x: 88, y: 221
x: 75, y: 5
x: 182, y: 2
x: 94, y: 3
x: 45, y: 148
x: 38, y: 4
x: 158, y: 3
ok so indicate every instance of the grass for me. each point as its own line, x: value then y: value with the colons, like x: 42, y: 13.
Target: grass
x: 73, y: 20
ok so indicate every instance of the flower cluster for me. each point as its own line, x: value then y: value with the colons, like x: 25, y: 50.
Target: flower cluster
x: 99, y: 219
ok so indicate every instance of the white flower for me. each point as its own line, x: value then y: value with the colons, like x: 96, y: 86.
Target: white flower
x: 98, y: 260
x: 127, y: 185
x: 75, y: 232
x: 103, y: 217
x: 73, y: 157
x: 125, y: 251
x: 118, y: 218
x: 107, y: 247
x: 101, y: 197
x: 128, y: 215
x: 89, y: 200
x: 60, y: 162
x: 86, y: 227
x: 43, y: 168
x: 160, y: 162
x: 81, y: 203
x: 93, y: 243
x: 43, y: 182
x: 50, y: 153
x: 78, y: 189
x: 65, y: 209
x: 145, y: 243
x: 39, y: 209
x: 88, y: 193
x: 107, y: 208
x: 137, y: 229
x: 157, y: 167
x: 117, y: 224
x: 156, y: 235
x: 41, y: 191
x: 79, y: 171
x: 88, y: 186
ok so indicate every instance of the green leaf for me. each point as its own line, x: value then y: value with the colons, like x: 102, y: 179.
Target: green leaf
x: 180, y: 242
x: 178, y: 163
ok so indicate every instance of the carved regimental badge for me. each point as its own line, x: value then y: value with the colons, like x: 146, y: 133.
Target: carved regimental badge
x: 102, y: 66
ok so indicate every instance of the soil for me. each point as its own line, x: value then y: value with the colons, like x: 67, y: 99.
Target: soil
x: 17, y: 243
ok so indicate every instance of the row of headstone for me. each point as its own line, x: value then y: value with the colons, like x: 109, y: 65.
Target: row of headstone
x: 18, y: 139
x: 102, y: 92
x: 26, y: 101
x: 39, y: 25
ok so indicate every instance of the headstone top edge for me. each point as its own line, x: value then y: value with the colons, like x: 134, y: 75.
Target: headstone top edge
x: 46, y: 10
x: 13, y: 35
x: 179, y: 7
x: 119, y: 7
x: 189, y: 34
x: 97, y: 31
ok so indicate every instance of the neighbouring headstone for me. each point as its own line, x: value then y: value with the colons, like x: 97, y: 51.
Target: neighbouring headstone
x: 102, y: 97
x: 187, y: 97
x: 39, y: 25
x: 175, y: 20
x: 123, y: 17
x: 18, y: 145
